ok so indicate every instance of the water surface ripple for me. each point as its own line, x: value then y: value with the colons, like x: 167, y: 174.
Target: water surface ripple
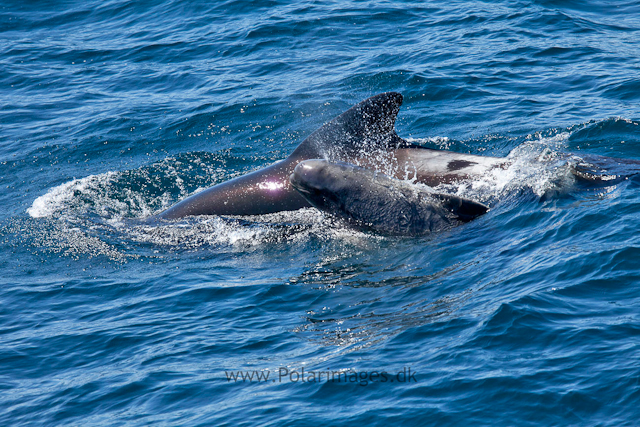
x: 114, y: 110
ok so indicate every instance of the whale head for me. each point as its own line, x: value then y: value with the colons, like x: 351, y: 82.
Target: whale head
x: 322, y: 183
x: 371, y: 200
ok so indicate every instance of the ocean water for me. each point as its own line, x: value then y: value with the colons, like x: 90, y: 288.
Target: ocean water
x: 114, y: 110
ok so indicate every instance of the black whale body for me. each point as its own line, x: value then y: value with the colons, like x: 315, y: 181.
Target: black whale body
x: 368, y: 127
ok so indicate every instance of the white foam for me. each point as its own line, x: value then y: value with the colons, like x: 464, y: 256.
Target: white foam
x: 244, y: 232
x: 58, y: 198
x: 539, y: 165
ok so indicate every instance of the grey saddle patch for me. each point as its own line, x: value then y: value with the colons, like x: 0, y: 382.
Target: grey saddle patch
x: 455, y: 165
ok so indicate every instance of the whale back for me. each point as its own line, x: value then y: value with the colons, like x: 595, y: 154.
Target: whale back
x: 358, y: 132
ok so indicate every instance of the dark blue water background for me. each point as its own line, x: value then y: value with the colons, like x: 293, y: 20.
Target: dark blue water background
x: 113, y: 110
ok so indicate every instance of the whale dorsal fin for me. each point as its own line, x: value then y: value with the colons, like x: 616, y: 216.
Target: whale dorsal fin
x: 369, y: 125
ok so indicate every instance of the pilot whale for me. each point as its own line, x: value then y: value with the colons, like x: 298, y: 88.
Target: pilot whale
x: 363, y: 135
x: 372, y: 201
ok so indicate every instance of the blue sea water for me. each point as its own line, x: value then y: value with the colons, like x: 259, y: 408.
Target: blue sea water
x: 114, y: 110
